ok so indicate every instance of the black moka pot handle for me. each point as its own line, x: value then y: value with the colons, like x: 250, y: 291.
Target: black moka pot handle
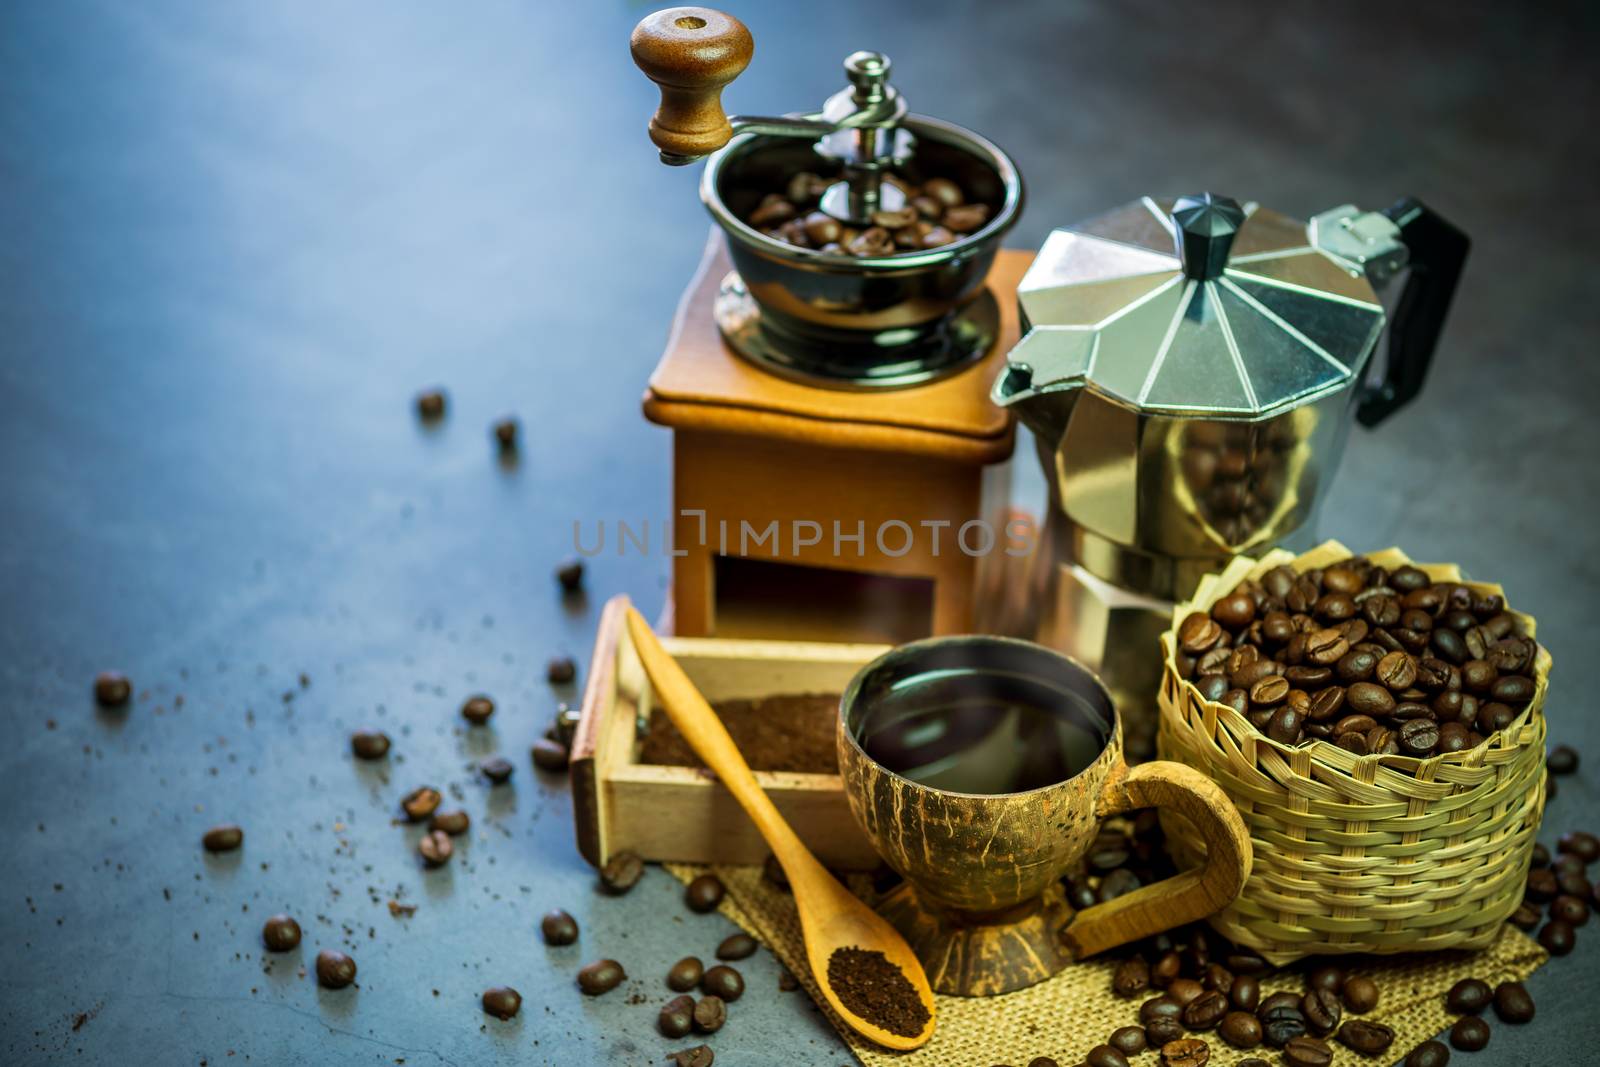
x: 1437, y: 253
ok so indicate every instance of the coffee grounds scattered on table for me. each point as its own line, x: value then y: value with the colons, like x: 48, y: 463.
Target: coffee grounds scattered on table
x: 876, y: 990
x: 786, y: 732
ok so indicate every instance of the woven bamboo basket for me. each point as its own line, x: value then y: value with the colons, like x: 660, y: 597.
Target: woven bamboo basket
x: 1378, y: 854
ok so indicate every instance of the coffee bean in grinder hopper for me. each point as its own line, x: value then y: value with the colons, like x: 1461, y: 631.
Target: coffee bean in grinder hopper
x: 1190, y: 369
x: 860, y: 233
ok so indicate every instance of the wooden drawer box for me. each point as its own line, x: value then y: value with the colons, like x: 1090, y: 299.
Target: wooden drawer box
x: 681, y: 813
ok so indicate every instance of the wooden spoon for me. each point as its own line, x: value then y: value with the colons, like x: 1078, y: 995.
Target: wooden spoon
x: 831, y: 917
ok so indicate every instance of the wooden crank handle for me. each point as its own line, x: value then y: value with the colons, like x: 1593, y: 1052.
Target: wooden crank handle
x: 691, y: 53
x: 1185, y: 897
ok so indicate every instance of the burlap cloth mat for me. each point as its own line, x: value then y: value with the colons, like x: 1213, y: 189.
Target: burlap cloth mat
x: 1067, y: 1016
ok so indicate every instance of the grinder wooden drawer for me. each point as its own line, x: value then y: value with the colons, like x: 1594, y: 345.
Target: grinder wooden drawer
x: 681, y: 813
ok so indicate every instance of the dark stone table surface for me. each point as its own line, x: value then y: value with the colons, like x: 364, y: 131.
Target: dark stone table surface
x: 235, y: 239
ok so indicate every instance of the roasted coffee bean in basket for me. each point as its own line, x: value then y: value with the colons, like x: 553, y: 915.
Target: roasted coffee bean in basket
x: 1380, y: 726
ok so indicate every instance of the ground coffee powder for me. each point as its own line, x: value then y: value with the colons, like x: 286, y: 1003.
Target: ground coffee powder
x: 786, y: 732
x: 878, y: 991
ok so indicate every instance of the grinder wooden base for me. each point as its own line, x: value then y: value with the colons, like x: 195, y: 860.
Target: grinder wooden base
x: 792, y: 503
x: 969, y: 955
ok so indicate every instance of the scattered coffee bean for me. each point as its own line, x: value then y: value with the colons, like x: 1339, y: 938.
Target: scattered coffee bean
x: 1043, y: 1061
x: 1578, y: 843
x: 420, y: 803
x: 787, y: 983
x: 1160, y: 1032
x: 1128, y: 1040
x: 1280, y: 1023
x: 569, y: 573
x: 558, y: 928
x: 1557, y: 937
x: 1184, y: 990
x: 1165, y: 970
x: 1563, y: 759
x: 1105, y: 1056
x: 280, y: 933
x: 224, y: 838
x: 621, y: 872
x: 1307, y: 1052
x: 497, y: 769
x: 601, y: 976
x: 723, y: 981
x: 1245, y: 992
x: 704, y: 893
x: 1570, y: 909
x: 111, y: 689
x: 1526, y: 917
x: 505, y: 434
x: 1469, y: 1034
x: 736, y: 947
x: 430, y: 404
x: 1542, y: 886
x: 1429, y: 1054
x: 1161, y: 1007
x: 709, y: 1014
x: 1216, y: 976
x: 1185, y: 1052
x: 1468, y: 997
x: 1360, y: 994
x: 1254, y: 1061
x: 1284, y: 1000
x: 685, y: 974
x: 560, y: 670
x: 1240, y: 1029
x: 477, y: 710
x: 1366, y: 1037
x: 699, y: 1056
x: 1205, y: 1011
x: 1322, y: 1011
x: 677, y: 1017
x: 1513, y: 1003
x: 550, y: 755
x: 335, y: 970
x: 1131, y: 977
x: 501, y: 1001
x: 454, y: 822
x: 436, y: 848
x: 773, y: 871
x: 369, y: 744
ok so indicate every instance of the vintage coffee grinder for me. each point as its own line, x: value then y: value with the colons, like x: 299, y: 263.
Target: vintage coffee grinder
x: 829, y: 396
x: 1190, y: 370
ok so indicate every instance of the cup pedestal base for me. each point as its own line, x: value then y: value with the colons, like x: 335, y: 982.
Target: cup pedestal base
x: 969, y: 954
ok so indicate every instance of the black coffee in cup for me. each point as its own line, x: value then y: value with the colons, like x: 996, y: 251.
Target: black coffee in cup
x: 980, y: 723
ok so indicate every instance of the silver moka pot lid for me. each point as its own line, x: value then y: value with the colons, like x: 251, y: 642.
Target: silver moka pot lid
x: 1203, y: 307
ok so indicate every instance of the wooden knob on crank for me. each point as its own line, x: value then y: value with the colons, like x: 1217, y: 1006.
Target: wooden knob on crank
x: 690, y: 53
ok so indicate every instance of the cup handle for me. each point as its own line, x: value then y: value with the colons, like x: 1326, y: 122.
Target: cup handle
x: 1184, y: 897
